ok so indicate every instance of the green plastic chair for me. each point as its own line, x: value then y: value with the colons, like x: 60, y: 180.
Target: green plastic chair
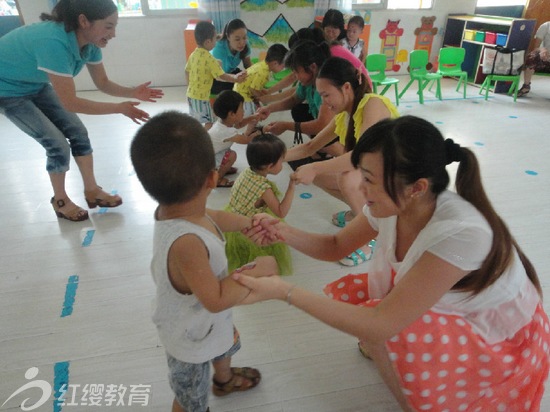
x: 376, y: 66
x: 418, y: 61
x: 488, y: 84
x: 450, y: 65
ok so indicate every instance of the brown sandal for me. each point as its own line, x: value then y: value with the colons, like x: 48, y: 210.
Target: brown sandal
x: 76, y: 214
x: 243, y: 379
x: 364, y: 351
x: 100, y: 198
x: 223, y: 182
x: 526, y: 88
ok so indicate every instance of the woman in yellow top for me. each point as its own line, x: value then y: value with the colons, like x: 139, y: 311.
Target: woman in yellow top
x: 346, y: 92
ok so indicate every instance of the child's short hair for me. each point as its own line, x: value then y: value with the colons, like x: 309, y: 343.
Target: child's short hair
x: 357, y: 20
x: 276, y: 53
x: 264, y: 150
x: 172, y: 156
x: 227, y: 102
x: 204, y: 30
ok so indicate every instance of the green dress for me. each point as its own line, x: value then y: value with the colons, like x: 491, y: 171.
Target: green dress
x: 247, y: 190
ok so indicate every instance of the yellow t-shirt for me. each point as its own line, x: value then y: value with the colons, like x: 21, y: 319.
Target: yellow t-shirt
x: 257, y: 77
x: 203, y: 68
x: 341, y: 119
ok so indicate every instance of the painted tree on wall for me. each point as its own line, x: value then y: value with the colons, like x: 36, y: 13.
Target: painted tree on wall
x: 277, y: 30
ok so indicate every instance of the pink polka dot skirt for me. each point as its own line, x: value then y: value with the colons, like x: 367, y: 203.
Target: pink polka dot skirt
x: 444, y: 365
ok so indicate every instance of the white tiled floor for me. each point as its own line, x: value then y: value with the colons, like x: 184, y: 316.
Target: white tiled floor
x: 109, y: 338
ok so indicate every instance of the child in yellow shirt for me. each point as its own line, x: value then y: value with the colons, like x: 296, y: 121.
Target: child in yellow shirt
x: 258, y: 76
x: 202, y: 69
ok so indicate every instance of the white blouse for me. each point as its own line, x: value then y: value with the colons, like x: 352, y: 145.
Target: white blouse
x: 460, y: 235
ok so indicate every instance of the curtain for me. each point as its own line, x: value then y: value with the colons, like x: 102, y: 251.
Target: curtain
x: 219, y: 12
x: 321, y: 6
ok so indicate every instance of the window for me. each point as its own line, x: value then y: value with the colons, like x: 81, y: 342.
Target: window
x: 495, y: 3
x: 410, y: 4
x: 394, y: 4
x: 140, y: 7
x: 8, y: 8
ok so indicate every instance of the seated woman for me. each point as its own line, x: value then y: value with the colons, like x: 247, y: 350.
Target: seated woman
x: 451, y: 309
x: 347, y: 94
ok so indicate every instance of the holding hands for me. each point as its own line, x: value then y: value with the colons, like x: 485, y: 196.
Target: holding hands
x: 305, y: 174
x: 241, y: 77
x: 264, y: 288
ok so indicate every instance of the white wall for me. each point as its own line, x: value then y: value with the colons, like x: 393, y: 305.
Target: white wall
x: 152, y: 48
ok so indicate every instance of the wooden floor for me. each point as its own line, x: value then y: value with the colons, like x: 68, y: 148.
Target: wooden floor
x: 99, y: 269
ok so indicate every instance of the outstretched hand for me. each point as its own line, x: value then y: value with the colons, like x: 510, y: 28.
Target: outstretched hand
x: 263, y: 231
x: 304, y: 174
x: 130, y: 110
x: 261, y: 289
x: 144, y: 93
x: 276, y: 128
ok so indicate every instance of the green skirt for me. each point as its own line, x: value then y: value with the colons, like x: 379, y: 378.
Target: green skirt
x: 241, y: 250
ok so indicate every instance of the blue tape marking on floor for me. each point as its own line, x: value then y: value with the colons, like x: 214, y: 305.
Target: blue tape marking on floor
x: 439, y: 122
x: 531, y: 172
x: 60, y: 384
x: 513, y: 117
x: 70, y: 292
x: 306, y: 195
x: 105, y: 209
x: 479, y: 144
x: 88, y: 238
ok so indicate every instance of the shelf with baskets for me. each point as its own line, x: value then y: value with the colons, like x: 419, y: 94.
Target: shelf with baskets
x: 475, y: 32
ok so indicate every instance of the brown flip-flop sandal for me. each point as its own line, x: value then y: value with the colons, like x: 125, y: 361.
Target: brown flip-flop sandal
x: 243, y: 379
x: 526, y: 88
x: 223, y: 182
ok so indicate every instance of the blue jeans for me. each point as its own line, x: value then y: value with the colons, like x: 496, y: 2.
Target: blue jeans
x: 43, y: 118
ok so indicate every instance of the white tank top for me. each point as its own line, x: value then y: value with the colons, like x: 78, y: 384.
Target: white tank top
x: 187, y: 330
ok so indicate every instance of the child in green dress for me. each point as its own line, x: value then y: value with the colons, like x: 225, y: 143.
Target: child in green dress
x: 254, y: 193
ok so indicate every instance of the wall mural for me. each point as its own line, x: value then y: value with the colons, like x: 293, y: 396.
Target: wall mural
x: 278, y: 30
x: 390, y: 45
x: 425, y: 34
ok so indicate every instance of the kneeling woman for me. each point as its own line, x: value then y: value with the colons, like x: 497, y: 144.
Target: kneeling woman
x: 451, y: 309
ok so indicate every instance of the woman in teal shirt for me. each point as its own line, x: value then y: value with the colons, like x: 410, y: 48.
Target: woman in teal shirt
x: 231, y: 50
x: 37, y: 92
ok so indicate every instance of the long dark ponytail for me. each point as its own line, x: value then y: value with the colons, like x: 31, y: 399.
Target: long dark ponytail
x: 413, y: 148
x: 340, y: 71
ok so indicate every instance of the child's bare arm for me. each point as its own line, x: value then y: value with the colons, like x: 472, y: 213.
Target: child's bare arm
x: 242, y: 138
x: 281, y: 84
x: 229, y: 222
x: 260, y: 267
x: 190, y: 273
x: 282, y: 208
x: 247, y: 120
x: 233, y: 78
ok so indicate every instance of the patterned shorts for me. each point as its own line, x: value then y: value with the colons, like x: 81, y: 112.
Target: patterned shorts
x: 534, y: 61
x: 190, y: 382
x: 200, y: 110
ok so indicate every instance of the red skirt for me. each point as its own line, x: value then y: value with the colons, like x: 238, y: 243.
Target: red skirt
x: 443, y: 365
